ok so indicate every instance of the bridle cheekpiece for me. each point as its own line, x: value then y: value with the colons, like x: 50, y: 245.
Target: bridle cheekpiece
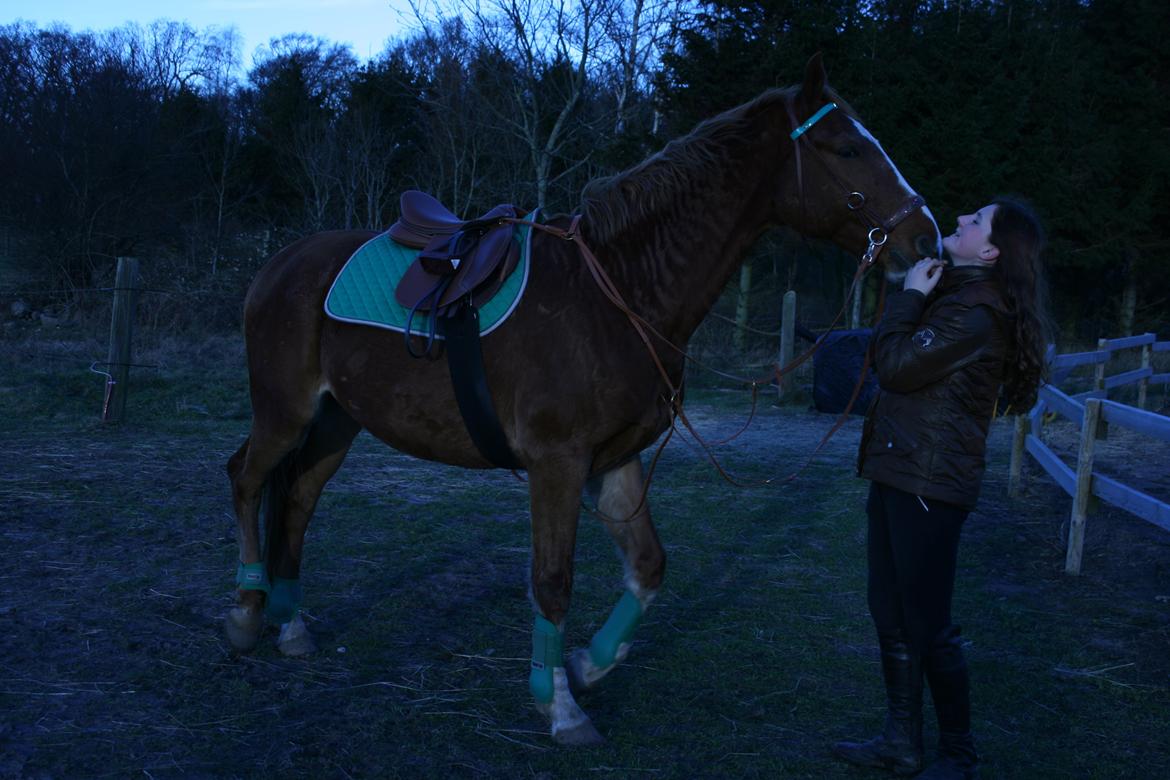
x: 855, y: 200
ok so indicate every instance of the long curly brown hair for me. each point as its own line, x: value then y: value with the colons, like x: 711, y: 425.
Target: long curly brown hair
x: 1017, y: 231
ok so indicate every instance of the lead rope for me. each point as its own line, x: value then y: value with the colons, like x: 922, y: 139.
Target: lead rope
x: 641, y: 326
x: 832, y: 431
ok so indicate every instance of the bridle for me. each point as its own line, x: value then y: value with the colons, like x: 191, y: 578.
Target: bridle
x: 855, y: 199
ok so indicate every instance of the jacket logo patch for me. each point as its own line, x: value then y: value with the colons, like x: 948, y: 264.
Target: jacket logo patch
x: 923, y: 338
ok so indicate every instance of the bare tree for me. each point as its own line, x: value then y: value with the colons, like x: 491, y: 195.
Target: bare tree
x: 314, y: 152
x: 637, y: 32
x: 550, y: 47
x: 172, y: 56
x: 455, y: 140
x: 219, y: 147
x: 365, y: 173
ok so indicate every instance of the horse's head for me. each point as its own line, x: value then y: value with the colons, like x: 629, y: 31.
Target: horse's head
x: 846, y: 187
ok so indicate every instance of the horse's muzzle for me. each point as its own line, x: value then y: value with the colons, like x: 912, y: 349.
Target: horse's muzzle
x: 926, y: 245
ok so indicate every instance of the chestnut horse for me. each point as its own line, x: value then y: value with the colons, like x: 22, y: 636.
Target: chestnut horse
x: 576, y: 391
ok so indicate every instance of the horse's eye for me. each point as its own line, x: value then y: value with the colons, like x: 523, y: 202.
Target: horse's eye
x: 848, y: 152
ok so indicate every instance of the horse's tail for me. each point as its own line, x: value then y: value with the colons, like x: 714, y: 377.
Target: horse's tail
x: 274, y: 499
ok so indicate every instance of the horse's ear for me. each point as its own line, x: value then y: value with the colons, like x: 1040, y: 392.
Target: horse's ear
x: 813, y: 88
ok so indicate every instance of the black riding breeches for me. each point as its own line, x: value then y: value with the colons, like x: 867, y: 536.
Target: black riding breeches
x: 913, y: 546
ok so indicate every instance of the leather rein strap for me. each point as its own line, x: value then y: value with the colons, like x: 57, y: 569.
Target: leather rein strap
x: 878, y: 235
x: 644, y: 329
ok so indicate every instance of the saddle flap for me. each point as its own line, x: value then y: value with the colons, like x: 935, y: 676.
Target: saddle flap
x: 486, y: 273
x: 476, y: 260
x: 442, y: 254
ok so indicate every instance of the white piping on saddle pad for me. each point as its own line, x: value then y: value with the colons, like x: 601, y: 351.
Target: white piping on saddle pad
x: 527, y: 253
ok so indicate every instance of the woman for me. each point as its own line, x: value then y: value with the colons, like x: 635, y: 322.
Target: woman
x: 946, y: 344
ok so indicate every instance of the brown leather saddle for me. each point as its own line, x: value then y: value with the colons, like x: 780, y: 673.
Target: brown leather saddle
x: 461, y: 262
x: 460, y: 259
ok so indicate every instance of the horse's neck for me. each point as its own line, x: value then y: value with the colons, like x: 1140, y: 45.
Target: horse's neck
x: 673, y: 267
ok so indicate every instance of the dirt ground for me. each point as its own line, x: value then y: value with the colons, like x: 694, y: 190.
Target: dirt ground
x: 118, y: 556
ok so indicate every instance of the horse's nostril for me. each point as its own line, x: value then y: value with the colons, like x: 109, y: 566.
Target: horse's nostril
x: 925, y: 246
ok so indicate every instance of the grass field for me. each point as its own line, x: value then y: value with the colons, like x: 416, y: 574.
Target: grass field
x: 119, y: 558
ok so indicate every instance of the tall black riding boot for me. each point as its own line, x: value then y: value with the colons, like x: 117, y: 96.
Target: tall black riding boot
x: 899, y: 746
x: 950, y: 688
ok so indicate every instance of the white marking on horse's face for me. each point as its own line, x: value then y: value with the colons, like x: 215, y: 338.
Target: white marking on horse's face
x: 868, y: 135
x: 938, y: 244
x: 910, y: 191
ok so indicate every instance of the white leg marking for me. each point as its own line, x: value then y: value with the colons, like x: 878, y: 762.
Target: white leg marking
x: 295, y: 638
x: 570, y: 724
x: 645, y: 595
x: 586, y: 674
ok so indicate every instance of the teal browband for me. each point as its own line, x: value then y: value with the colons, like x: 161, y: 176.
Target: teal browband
x: 818, y: 116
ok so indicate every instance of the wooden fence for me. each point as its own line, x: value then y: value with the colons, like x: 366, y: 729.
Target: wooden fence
x: 1091, y: 412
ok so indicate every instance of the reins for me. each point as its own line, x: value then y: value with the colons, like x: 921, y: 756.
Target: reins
x: 644, y: 329
x: 877, y: 237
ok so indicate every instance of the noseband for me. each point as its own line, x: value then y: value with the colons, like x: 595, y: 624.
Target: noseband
x: 855, y: 200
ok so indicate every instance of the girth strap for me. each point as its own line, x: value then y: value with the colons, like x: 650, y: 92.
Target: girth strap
x: 465, y: 362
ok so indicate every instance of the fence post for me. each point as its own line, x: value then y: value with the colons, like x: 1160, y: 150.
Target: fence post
x: 1102, y: 428
x: 1017, y: 463
x: 739, y: 335
x: 1145, y: 383
x: 121, y: 330
x: 1082, y: 494
x: 787, y: 336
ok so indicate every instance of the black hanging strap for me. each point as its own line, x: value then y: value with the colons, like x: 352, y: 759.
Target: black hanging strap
x: 465, y: 362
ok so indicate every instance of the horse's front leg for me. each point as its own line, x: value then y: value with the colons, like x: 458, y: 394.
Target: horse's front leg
x: 644, y: 562
x: 555, y: 486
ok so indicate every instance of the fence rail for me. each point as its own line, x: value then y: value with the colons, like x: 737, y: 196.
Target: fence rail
x: 1091, y: 413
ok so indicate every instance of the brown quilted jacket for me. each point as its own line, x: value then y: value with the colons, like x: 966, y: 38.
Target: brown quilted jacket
x: 939, y: 363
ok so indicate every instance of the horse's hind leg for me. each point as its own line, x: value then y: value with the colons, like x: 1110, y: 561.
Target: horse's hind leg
x: 645, y: 563
x: 258, y: 464
x: 316, y: 461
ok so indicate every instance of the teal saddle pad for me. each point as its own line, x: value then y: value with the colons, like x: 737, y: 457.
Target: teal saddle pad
x: 364, y: 290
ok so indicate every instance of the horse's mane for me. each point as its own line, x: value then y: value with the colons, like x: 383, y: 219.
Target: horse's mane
x: 613, y: 204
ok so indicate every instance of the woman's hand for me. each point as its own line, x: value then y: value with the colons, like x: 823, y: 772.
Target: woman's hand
x: 924, y: 276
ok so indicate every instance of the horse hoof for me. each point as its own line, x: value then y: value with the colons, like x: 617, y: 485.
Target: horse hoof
x: 295, y: 639
x: 581, y: 734
x: 243, y: 627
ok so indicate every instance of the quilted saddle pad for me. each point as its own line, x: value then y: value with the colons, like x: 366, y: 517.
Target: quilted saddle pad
x: 363, y: 292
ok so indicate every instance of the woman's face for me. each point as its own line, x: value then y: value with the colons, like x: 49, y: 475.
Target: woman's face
x: 970, y: 244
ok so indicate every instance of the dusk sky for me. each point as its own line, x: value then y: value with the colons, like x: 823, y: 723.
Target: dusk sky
x: 364, y: 24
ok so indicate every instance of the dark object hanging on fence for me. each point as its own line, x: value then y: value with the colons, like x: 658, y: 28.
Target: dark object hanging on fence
x: 836, y: 366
